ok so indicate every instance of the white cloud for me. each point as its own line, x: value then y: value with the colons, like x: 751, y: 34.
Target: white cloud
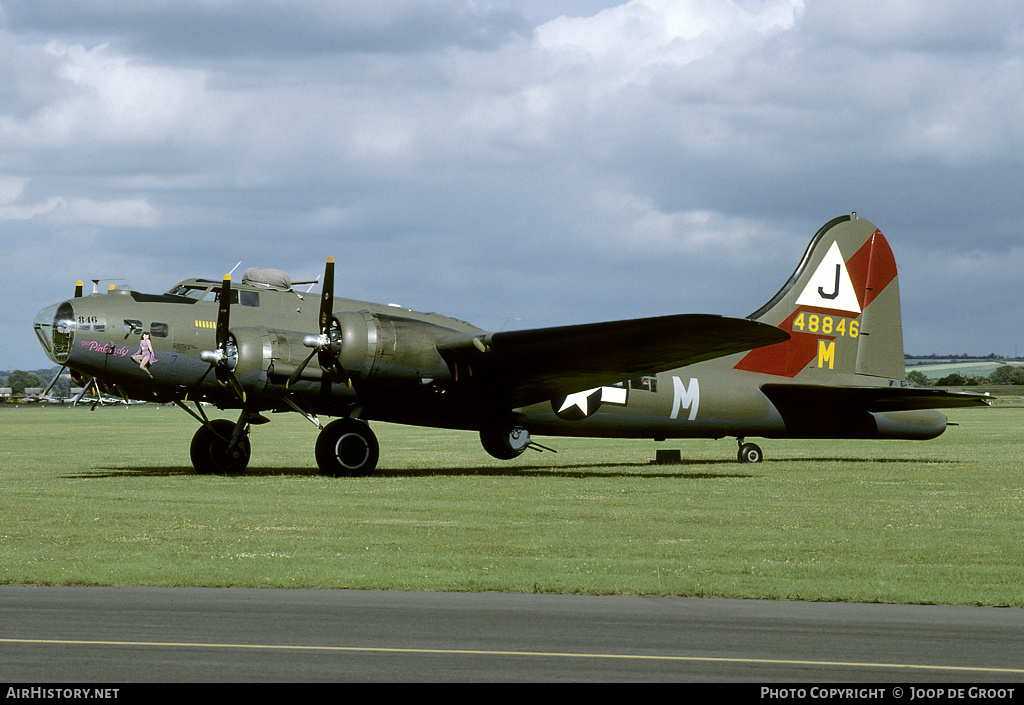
x: 627, y: 38
x: 110, y: 98
x: 11, y: 189
x: 135, y: 213
x: 72, y: 211
x: 633, y: 223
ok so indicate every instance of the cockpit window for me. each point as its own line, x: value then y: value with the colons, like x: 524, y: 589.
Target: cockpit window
x: 192, y: 292
x: 212, y: 293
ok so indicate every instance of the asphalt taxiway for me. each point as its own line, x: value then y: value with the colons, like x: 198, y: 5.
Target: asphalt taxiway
x: 207, y: 635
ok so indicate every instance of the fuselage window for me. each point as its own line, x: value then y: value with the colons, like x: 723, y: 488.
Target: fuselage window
x: 159, y: 330
x: 245, y: 298
x: 645, y: 384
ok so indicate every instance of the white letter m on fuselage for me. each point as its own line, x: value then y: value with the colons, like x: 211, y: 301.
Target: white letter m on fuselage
x: 685, y: 398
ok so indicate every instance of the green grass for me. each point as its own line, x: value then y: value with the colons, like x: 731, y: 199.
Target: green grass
x: 109, y: 498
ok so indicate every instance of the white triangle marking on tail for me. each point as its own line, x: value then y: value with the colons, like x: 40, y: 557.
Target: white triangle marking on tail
x: 830, y: 285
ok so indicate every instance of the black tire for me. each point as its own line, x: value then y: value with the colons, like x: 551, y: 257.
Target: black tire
x: 347, y: 448
x: 209, y: 452
x: 750, y: 453
x: 499, y: 444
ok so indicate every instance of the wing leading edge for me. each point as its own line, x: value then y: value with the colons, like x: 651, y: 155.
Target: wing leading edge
x: 519, y: 368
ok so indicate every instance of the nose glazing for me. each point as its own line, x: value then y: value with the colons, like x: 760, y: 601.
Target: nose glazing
x: 55, y: 328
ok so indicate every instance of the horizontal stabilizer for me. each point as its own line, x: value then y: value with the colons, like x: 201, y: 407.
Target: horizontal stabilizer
x: 871, y: 399
x: 530, y: 366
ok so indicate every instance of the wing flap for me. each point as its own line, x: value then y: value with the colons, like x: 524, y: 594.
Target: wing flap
x: 525, y: 367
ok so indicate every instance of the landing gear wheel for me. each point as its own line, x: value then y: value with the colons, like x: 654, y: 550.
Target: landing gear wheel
x: 505, y: 444
x: 750, y: 453
x: 209, y: 450
x: 347, y: 448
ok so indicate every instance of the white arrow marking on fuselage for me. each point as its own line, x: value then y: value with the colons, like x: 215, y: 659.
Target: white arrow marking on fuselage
x: 580, y: 400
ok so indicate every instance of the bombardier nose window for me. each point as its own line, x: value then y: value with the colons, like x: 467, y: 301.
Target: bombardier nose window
x: 55, y: 328
x: 63, y: 331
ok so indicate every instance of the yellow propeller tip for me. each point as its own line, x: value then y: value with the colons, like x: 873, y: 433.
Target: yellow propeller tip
x: 330, y: 260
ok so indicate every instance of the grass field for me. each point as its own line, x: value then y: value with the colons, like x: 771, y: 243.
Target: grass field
x: 109, y: 498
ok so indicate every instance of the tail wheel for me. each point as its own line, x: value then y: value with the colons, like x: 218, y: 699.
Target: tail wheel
x: 347, y: 448
x: 210, y: 453
x: 750, y: 453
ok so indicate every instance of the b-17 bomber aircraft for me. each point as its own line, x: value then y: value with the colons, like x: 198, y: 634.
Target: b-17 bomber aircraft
x: 822, y: 359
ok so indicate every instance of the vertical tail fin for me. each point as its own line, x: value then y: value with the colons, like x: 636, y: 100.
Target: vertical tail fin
x: 842, y: 308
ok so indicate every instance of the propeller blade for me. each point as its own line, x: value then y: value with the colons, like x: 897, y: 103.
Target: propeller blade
x: 219, y: 358
x: 46, y: 392
x: 326, y: 358
x: 327, y: 297
x: 233, y: 381
x: 322, y: 344
x: 199, y: 382
x: 224, y: 312
x: 85, y: 390
x: 298, y: 371
x: 329, y: 364
x: 78, y: 289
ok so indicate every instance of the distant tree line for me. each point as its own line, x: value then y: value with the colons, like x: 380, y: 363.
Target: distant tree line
x: 1006, y: 374
x: 962, y: 356
x: 18, y: 380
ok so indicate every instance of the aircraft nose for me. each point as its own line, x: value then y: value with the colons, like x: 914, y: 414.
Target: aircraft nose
x: 55, y: 328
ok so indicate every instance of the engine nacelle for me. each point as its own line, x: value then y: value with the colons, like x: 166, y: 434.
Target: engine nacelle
x: 386, y: 348
x: 260, y: 353
x: 368, y: 346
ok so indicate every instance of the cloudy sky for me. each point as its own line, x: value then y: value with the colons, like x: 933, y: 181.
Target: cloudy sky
x: 515, y: 163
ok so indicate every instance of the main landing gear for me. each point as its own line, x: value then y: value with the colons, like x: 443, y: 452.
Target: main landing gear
x: 345, y: 447
x: 217, y: 450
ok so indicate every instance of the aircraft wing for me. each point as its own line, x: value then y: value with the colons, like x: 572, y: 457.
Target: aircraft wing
x: 876, y: 399
x: 529, y: 366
